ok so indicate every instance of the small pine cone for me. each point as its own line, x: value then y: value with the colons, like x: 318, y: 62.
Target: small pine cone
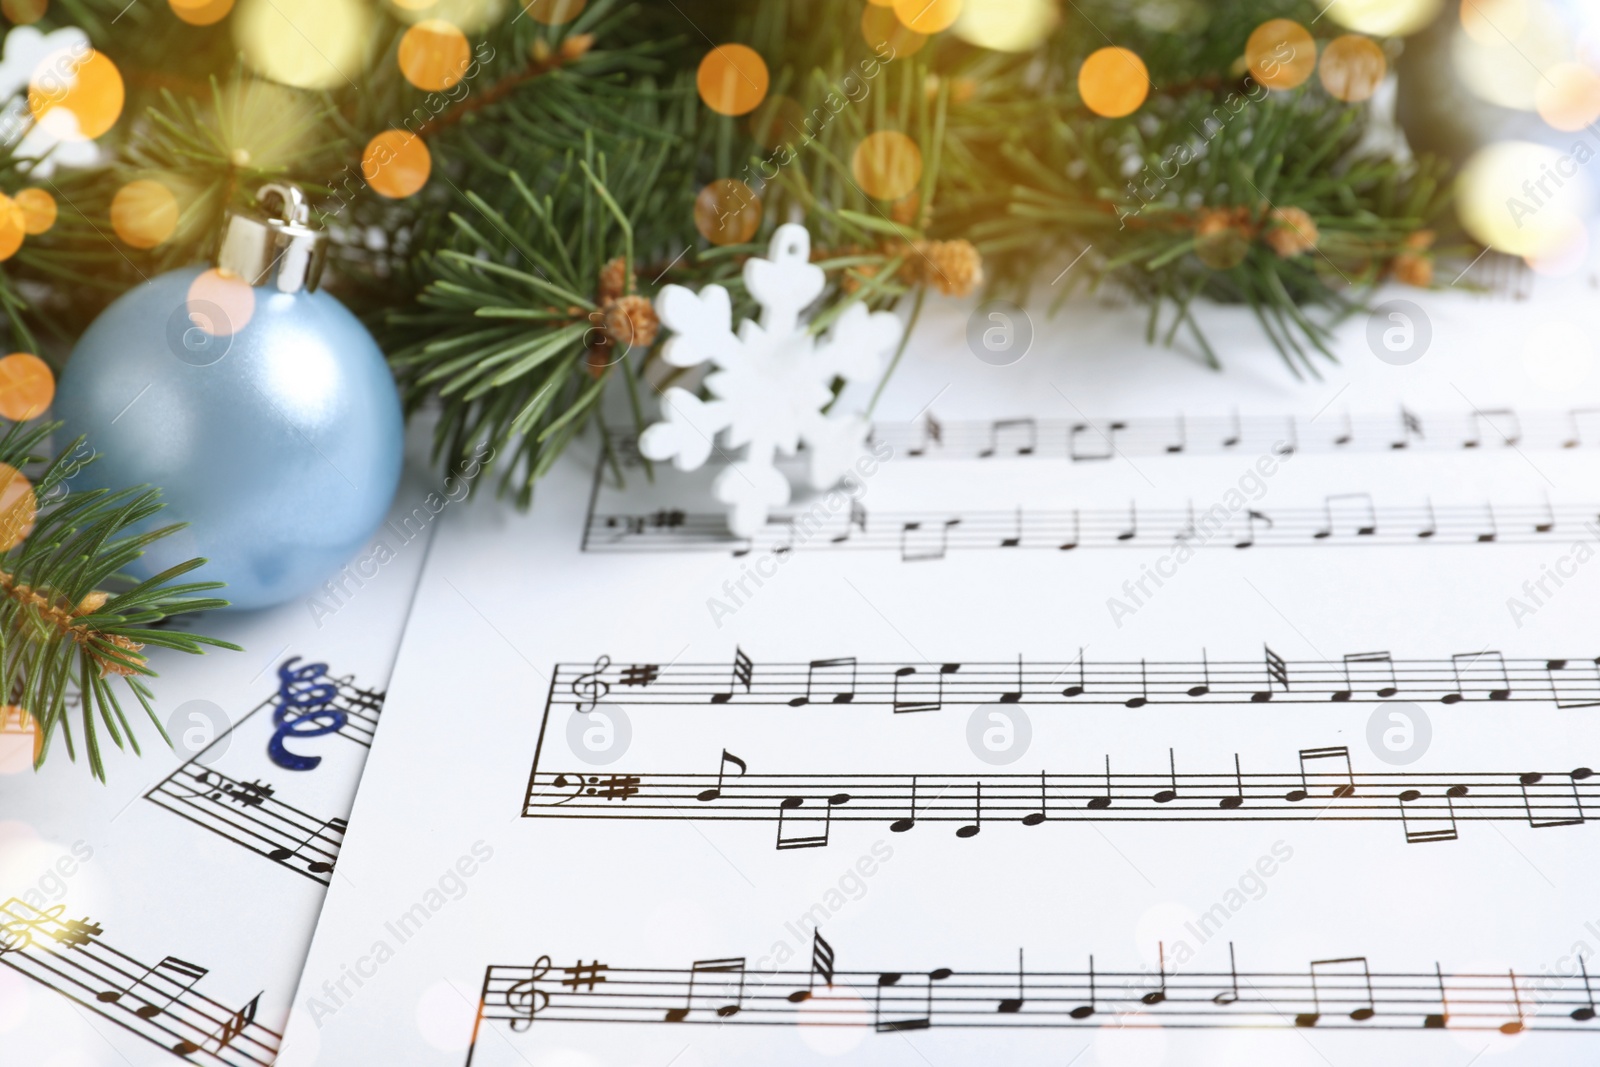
x: 1412, y: 269
x: 597, y: 359
x: 576, y: 46
x: 91, y: 603
x: 632, y: 320
x: 614, y: 281
x: 1291, y: 231
x: 1213, y: 221
x: 1419, y: 240
x: 955, y: 268
x: 130, y: 647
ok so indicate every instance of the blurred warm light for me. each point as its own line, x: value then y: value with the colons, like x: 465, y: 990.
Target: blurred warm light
x: 75, y: 98
x: 780, y: 121
x: 201, y: 12
x: 24, y: 12
x: 887, y: 164
x: 727, y: 212
x: 13, y: 227
x: 732, y: 79
x: 1507, y: 68
x: 262, y: 124
x: 309, y: 44
x: 1351, y: 67
x: 1113, y: 82
x: 880, y: 26
x: 469, y: 16
x: 26, y: 386
x: 1494, y: 21
x: 1522, y: 198
x: 38, y: 210
x: 1566, y: 258
x: 928, y: 16
x: 1008, y: 25
x: 1568, y: 96
x: 553, y: 12
x: 1385, y: 18
x: 220, y: 304
x: 18, y: 508
x: 396, y: 164
x: 144, y: 213
x: 434, y: 55
x: 1280, y: 53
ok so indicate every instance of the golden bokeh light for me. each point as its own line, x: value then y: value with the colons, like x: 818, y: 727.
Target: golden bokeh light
x: 201, y: 12
x: 1494, y: 21
x: 1113, y: 82
x: 38, y: 210
x: 309, y: 44
x: 1567, y: 258
x: 1568, y: 96
x: 928, y: 16
x: 781, y: 120
x: 1008, y: 25
x: 1280, y: 53
x: 1522, y: 198
x: 1386, y: 18
x: 727, y: 212
x: 732, y: 79
x: 471, y: 17
x: 1352, y: 67
x: 13, y: 227
x: 396, y: 164
x: 18, y: 507
x: 144, y: 213
x: 24, y: 12
x: 1509, y: 66
x: 887, y: 165
x: 26, y: 387
x: 553, y: 12
x: 220, y: 304
x: 76, y: 98
x: 434, y: 55
x: 880, y: 27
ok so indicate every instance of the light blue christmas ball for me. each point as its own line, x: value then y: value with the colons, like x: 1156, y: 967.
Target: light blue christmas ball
x: 279, y: 443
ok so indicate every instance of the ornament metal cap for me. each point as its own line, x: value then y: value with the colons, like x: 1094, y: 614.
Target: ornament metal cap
x: 285, y: 252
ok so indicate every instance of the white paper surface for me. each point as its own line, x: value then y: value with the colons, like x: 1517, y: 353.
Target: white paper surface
x: 158, y: 865
x: 464, y: 903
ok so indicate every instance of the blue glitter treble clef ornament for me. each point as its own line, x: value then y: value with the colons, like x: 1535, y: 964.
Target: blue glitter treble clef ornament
x: 304, y: 694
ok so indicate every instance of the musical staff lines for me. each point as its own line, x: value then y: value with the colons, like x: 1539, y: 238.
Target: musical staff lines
x: 251, y: 814
x: 1346, y: 519
x: 1322, y: 786
x: 910, y: 688
x: 1336, y: 993
x: 159, y: 1002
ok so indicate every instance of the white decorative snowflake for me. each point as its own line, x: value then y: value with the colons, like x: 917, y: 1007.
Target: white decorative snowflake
x: 771, y: 381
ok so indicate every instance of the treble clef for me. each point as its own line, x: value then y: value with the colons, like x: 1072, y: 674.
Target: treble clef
x: 589, y: 688
x: 303, y: 711
x: 526, y: 998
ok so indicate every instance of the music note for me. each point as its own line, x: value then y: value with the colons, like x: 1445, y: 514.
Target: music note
x: 1237, y: 800
x: 841, y: 695
x: 807, y: 840
x: 1491, y: 663
x: 972, y: 828
x: 722, y: 769
x: 857, y: 519
x: 1385, y: 673
x: 1078, y: 455
x: 1584, y: 1014
x: 1572, y: 691
x: 915, y: 1022
x: 178, y: 972
x: 1000, y: 427
x: 231, y: 1028
x: 922, y: 547
x: 1345, y: 435
x: 1182, y: 441
x: 915, y: 701
x: 1166, y: 796
x: 1014, y: 696
x: 1237, y: 431
x: 900, y: 826
x: 1079, y: 689
x: 1015, y: 540
x: 1229, y: 996
x: 589, y: 688
x: 1205, y: 673
x: 1344, y: 789
x: 1133, y: 524
x: 743, y: 672
x: 1516, y: 995
x: 1083, y: 1011
x: 1409, y: 425
x: 338, y: 826
x: 1493, y: 532
x: 1144, y: 689
x: 1441, y: 833
x: 1366, y: 521
x: 1100, y: 803
x: 1576, y: 438
x: 1251, y: 516
x: 821, y: 964
x: 1072, y: 542
x: 1438, y: 1020
x: 1511, y: 436
x: 1012, y: 1005
x: 1554, y: 815
x: 1549, y: 521
x: 1361, y: 1014
x: 1156, y: 996
x: 1433, y: 523
x: 725, y: 966
x: 1034, y: 818
x: 1277, y: 672
x: 932, y: 433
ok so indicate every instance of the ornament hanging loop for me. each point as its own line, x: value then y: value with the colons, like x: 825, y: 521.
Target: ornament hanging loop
x: 284, y: 253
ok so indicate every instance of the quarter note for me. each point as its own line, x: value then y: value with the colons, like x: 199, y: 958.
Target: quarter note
x: 1234, y: 434
x: 1133, y: 524
x: 1168, y: 795
x: 178, y: 972
x: 743, y: 673
x: 1433, y: 523
x: 1012, y: 1005
x: 1099, y: 803
x: 1156, y: 996
x: 1072, y: 542
x: 1079, y: 689
x: 1034, y: 818
x: 1586, y: 1013
x: 972, y: 828
x: 1205, y: 673
x: 1516, y: 996
x: 1237, y: 800
x: 1182, y: 440
x: 900, y: 826
x: 1014, y: 696
x: 1344, y: 435
x: 1144, y: 689
x: 1493, y: 530
x: 1549, y: 522
x: 1015, y: 540
x: 1437, y: 1020
x: 1083, y: 1011
x: 1229, y: 996
x: 722, y: 770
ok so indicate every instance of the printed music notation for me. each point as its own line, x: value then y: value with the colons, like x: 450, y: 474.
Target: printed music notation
x: 1337, y: 993
x: 1344, y: 519
x: 251, y: 814
x: 1467, y: 677
x: 1322, y: 786
x: 1098, y: 440
x: 159, y: 1002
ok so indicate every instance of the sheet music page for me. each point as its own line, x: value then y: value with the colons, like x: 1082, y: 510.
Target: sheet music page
x: 165, y: 916
x: 1120, y: 712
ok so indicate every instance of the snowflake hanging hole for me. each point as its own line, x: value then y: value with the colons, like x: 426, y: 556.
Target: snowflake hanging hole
x: 769, y: 382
